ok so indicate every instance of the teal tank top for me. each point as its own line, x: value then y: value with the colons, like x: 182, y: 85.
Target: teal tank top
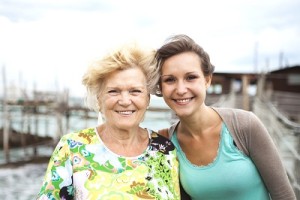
x: 231, y: 176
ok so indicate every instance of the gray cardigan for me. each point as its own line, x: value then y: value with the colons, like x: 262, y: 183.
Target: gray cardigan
x: 253, y: 139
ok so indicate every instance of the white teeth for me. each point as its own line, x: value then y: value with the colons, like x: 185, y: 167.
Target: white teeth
x: 183, y: 100
x: 125, y: 112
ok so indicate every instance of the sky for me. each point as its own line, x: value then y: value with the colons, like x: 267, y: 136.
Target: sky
x: 48, y: 44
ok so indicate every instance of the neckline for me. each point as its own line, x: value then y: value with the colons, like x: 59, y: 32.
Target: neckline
x: 189, y: 163
x: 121, y: 156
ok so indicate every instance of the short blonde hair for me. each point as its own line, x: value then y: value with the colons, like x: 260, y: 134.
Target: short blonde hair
x: 126, y: 56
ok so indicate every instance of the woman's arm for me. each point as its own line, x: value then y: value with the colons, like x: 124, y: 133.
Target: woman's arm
x: 265, y: 156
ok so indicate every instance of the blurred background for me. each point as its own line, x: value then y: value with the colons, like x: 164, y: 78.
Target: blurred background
x: 46, y: 46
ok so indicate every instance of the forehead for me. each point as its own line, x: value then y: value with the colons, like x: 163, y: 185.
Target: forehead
x: 187, y: 61
x: 131, y: 76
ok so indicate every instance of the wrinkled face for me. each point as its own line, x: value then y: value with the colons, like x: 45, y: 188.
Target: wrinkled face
x: 183, y: 83
x: 125, y: 98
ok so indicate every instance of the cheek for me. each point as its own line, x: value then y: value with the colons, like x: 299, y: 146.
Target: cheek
x: 142, y: 102
x: 107, y: 103
x: 165, y: 89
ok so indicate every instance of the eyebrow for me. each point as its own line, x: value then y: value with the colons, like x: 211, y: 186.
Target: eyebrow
x: 165, y: 75
x: 133, y: 87
x: 185, y: 73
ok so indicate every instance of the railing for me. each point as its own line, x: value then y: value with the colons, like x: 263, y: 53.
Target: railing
x: 286, y: 135
x: 287, y: 103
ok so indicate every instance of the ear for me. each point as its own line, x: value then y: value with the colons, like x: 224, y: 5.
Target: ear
x: 208, y: 81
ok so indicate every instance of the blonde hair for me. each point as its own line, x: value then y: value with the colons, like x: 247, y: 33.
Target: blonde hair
x: 126, y: 56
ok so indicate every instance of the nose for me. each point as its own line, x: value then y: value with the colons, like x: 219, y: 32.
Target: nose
x: 181, y: 88
x: 125, y: 99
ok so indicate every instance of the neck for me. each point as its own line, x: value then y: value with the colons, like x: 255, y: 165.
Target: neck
x: 125, y: 143
x: 198, y: 124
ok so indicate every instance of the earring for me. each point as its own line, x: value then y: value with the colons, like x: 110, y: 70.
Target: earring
x: 158, y: 91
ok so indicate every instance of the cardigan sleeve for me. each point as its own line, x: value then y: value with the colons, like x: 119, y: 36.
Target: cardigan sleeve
x: 264, y: 154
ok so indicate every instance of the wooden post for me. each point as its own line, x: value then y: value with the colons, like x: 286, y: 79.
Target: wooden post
x: 261, y: 86
x: 36, y: 128
x: 23, y: 114
x: 47, y: 122
x: 35, y: 115
x: 6, y: 120
x: 23, y: 138
x: 245, y: 92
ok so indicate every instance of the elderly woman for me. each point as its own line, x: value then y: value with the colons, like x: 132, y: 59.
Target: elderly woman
x: 117, y: 159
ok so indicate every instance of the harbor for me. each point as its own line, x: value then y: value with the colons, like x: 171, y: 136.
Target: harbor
x: 31, y: 127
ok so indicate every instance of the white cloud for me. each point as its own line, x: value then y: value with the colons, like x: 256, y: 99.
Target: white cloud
x: 52, y: 42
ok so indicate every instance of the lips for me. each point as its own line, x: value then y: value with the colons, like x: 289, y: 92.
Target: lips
x: 125, y: 112
x: 183, y: 101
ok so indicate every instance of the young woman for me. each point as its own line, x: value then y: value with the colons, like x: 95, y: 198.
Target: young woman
x: 224, y: 153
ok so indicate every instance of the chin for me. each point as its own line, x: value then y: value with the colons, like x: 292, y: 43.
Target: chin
x: 127, y: 125
x: 182, y: 113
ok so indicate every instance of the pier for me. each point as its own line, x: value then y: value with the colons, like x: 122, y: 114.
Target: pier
x: 284, y: 131
x: 34, y: 126
x: 276, y: 102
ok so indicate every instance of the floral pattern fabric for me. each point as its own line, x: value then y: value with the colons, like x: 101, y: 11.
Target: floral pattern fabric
x: 81, y: 167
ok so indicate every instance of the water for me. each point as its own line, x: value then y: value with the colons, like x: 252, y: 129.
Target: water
x: 47, y: 124
x: 22, y: 183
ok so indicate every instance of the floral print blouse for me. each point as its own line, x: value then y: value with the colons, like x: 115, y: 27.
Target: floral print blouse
x: 82, y: 167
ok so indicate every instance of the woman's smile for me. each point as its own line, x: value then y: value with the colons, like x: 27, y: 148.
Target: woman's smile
x: 183, y: 101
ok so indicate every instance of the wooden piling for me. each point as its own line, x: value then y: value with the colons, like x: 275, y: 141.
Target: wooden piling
x: 6, y: 120
x: 245, y: 92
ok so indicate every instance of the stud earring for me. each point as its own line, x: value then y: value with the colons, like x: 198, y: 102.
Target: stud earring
x: 158, y: 91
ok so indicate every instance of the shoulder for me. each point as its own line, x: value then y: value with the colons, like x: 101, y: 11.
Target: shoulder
x: 161, y: 143
x: 84, y: 136
x: 155, y: 135
x: 168, y: 132
x: 234, y: 116
x: 231, y: 112
x: 240, y: 124
x: 237, y: 118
